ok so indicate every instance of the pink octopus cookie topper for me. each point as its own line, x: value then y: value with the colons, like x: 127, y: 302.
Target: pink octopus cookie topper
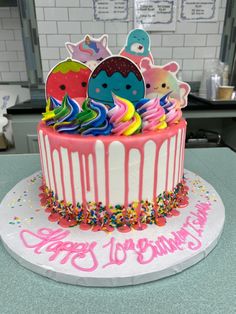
x: 162, y: 80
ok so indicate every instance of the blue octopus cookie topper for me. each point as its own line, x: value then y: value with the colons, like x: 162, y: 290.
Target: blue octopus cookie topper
x: 116, y: 75
x: 137, y: 46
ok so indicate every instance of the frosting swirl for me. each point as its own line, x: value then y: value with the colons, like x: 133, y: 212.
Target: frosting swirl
x: 125, y: 120
x: 172, y: 110
x: 62, y: 116
x: 52, y: 103
x: 93, y: 119
x: 153, y: 115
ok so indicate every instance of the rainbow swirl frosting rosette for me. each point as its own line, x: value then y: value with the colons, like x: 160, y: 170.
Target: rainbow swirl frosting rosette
x: 152, y: 114
x: 172, y: 109
x: 125, y: 120
x: 69, y: 117
x: 93, y: 119
x: 63, y: 117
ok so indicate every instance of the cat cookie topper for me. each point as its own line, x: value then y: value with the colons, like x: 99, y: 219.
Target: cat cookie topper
x: 90, y: 51
x: 162, y: 80
x: 137, y: 46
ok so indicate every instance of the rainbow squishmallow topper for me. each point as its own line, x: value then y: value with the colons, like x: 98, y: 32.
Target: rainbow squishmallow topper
x: 90, y: 51
x: 137, y: 46
x: 116, y: 75
x: 68, y: 77
x: 162, y: 80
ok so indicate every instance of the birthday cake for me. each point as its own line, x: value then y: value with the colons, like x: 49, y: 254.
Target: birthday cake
x: 112, y: 138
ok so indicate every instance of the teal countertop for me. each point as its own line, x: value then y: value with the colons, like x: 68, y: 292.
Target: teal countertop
x: 207, y: 287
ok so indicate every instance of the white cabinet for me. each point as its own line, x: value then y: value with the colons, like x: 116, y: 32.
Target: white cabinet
x: 25, y: 132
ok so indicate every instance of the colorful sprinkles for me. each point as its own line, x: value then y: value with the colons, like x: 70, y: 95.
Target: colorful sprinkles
x: 23, y: 200
x: 95, y: 215
x: 136, y: 216
x: 198, y: 188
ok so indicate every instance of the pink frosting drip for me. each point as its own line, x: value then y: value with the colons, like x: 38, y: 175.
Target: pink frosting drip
x: 154, y: 115
x: 86, y: 146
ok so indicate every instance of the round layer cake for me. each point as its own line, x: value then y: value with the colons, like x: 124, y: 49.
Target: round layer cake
x: 91, y: 178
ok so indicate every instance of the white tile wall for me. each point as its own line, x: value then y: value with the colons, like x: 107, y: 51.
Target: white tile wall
x: 174, y: 40
x: 80, y: 14
x: 46, y: 27
x: 183, y: 52
x: 68, y: 27
x: 195, y: 40
x: 12, y: 59
x: 191, y: 44
x: 56, y: 14
x: 46, y: 3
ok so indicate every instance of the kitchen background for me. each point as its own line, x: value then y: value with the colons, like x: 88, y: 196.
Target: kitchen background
x: 32, y: 41
x: 192, y: 45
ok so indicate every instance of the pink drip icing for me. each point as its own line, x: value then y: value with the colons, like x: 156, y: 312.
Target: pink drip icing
x: 84, y: 224
x: 125, y: 228
x: 107, y: 185
x: 106, y: 151
x: 62, y: 176
x: 155, y: 181
x: 41, y: 157
x: 167, y: 163
x: 140, y: 226
x: 95, y: 177
x: 71, y: 179
x: 126, y: 176
x: 82, y: 179
x: 54, y: 175
x: 86, y: 159
x: 86, y: 145
x: 46, y: 154
x: 175, y: 153
x: 180, y: 153
x: 183, y: 148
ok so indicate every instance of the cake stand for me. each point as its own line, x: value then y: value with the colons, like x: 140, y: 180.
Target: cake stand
x: 86, y: 258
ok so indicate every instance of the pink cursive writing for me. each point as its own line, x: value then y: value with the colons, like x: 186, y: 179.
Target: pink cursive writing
x: 82, y: 255
x: 187, y: 237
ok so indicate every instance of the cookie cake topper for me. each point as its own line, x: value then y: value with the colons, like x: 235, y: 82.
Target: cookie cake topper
x: 89, y: 50
x: 118, y: 75
x: 162, y: 80
x: 68, y: 77
x: 137, y: 46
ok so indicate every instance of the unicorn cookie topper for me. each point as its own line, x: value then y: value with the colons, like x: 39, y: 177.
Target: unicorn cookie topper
x: 162, y: 80
x: 89, y: 50
x: 137, y: 46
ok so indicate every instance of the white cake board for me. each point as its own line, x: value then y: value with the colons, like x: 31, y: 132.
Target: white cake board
x: 102, y: 259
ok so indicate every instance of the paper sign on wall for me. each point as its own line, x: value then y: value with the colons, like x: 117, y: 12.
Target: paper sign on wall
x: 109, y: 10
x: 155, y: 15
x: 198, y: 10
